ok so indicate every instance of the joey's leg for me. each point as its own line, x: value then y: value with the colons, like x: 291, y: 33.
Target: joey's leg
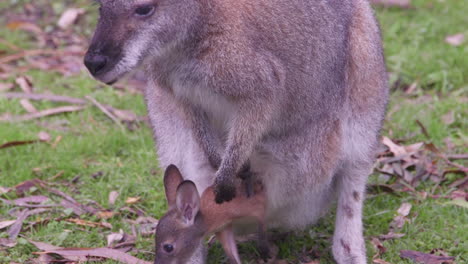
x: 247, y: 129
x: 263, y: 247
x: 205, y: 135
x: 247, y: 179
x: 348, y: 240
x: 227, y: 240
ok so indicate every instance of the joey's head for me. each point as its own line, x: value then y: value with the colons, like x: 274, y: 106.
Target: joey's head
x: 180, y: 232
x: 130, y: 31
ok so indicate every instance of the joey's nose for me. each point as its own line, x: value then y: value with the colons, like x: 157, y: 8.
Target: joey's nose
x: 95, y: 62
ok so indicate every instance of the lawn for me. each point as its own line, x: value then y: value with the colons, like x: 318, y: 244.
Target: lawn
x: 88, y: 155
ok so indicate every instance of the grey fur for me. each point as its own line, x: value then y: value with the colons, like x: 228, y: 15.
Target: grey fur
x: 296, y: 87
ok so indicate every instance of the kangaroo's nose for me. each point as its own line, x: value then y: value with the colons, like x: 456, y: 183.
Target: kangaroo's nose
x: 95, y: 62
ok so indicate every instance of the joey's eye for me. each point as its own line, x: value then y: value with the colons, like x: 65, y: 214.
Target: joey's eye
x: 168, y: 248
x: 144, y: 11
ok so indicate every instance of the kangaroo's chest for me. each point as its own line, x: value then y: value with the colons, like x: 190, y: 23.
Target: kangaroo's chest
x: 219, y: 109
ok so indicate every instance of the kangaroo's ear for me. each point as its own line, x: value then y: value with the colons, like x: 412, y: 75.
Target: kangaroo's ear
x: 187, y: 201
x: 172, y: 179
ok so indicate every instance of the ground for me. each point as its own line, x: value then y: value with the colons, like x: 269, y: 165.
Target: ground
x: 90, y: 156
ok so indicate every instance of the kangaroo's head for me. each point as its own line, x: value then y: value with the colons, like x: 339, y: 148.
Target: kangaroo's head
x: 180, y: 232
x: 128, y: 31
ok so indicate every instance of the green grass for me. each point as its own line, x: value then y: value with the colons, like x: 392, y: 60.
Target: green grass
x: 415, y: 52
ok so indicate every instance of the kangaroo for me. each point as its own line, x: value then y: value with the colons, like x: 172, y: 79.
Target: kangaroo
x: 190, y: 218
x: 296, y: 89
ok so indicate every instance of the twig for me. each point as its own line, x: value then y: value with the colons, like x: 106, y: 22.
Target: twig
x: 9, y: 44
x: 396, y: 3
x: 44, y: 97
x: 26, y: 53
x: 66, y: 99
x: 47, y: 112
x: 104, y: 110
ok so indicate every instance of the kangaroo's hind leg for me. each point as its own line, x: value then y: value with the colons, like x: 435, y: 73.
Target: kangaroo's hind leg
x: 348, y: 240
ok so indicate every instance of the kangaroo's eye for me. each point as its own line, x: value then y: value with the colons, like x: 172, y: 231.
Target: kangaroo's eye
x: 144, y: 11
x: 168, y: 248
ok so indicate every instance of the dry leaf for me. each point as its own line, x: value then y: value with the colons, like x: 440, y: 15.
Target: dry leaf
x: 378, y: 246
x: 114, y: 238
x: 25, y: 84
x: 391, y: 235
x: 15, y: 229
x: 448, y: 118
x: 5, y: 87
x: 29, y: 27
x: 404, y: 209
x: 132, y: 200
x: 393, y: 3
x: 394, y: 148
x: 43, y: 136
x: 455, y: 40
x: 44, y: 246
x: 88, y: 223
x: 44, y: 113
x: 5, y: 224
x: 380, y: 261
x: 69, y: 17
x: 424, y: 257
x: 105, y: 214
x: 84, y: 254
x: 113, y: 197
x: 28, y: 106
x: 4, y: 190
x: 8, y: 243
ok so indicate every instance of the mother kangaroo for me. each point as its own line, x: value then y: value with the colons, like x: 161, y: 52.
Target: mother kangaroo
x: 297, y: 89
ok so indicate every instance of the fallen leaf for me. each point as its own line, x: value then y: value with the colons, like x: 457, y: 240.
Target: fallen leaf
x: 114, y: 238
x: 88, y: 223
x: 69, y: 17
x: 84, y: 254
x: 43, y: 113
x: 25, y: 186
x: 391, y: 235
x: 6, y: 86
x: 30, y: 201
x: 4, y: 190
x: 455, y: 40
x: 113, y: 197
x: 458, y: 202
x: 380, y: 261
x: 15, y: 229
x: 44, y: 246
x: 448, y: 118
x: 132, y: 200
x: 424, y: 257
x: 400, y: 220
x: 393, y: 3
x: 29, y: 27
x: 5, y: 224
x: 43, y: 136
x: 8, y: 243
x: 28, y: 106
x: 378, y: 246
x: 404, y: 209
x: 105, y: 214
x: 394, y: 148
x: 25, y: 84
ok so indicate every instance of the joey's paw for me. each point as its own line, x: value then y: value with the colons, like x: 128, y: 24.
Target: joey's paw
x: 225, y: 191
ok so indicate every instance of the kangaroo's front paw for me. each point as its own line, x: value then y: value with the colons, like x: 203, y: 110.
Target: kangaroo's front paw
x: 225, y: 190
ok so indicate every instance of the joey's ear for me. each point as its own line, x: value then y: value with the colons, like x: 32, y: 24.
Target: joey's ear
x: 172, y: 179
x: 187, y: 201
